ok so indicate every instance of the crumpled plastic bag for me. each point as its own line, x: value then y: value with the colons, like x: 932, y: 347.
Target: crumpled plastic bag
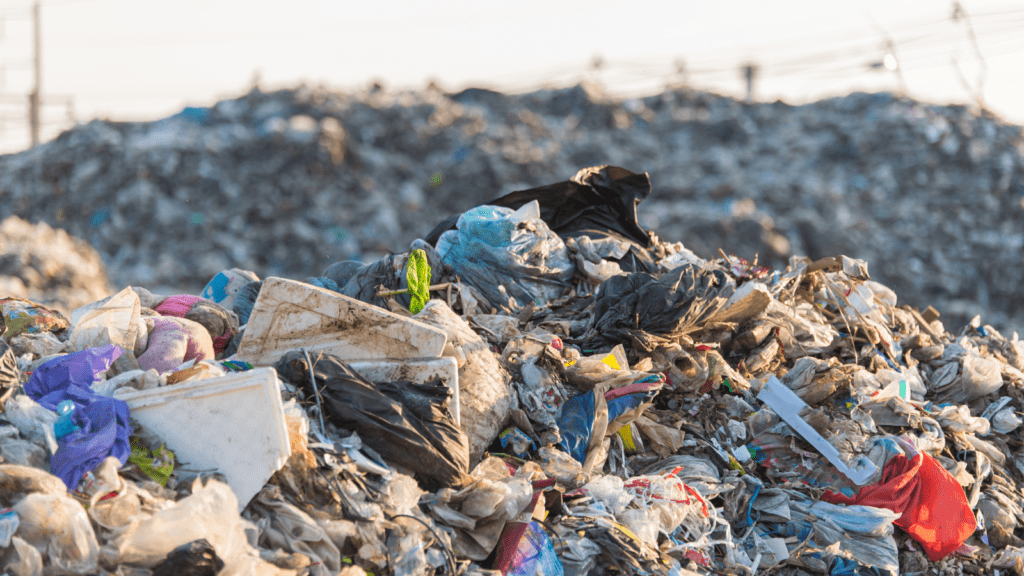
x: 598, y: 203
x: 526, y: 550
x: 508, y: 254
x: 196, y: 558
x: 866, y: 520
x: 9, y: 374
x: 286, y: 527
x: 646, y: 311
x: 480, y: 511
x: 21, y: 559
x: 1006, y: 421
x: 609, y: 490
x: 38, y: 344
x: 588, y: 418
x: 210, y: 513
x: 33, y: 421
x: 589, y: 257
x: 832, y: 541
x: 697, y: 473
x: 59, y: 528
x: 668, y: 502
x: 20, y: 481
x: 485, y: 397
x: 113, y: 320
x: 14, y: 450
x: 223, y: 287
x: 103, y: 422
x: 409, y: 425
x: 958, y: 419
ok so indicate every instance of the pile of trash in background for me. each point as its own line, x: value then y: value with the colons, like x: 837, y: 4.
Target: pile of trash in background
x: 49, y: 265
x: 283, y: 182
x: 538, y: 385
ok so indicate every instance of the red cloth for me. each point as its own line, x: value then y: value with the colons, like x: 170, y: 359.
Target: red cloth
x: 934, y: 506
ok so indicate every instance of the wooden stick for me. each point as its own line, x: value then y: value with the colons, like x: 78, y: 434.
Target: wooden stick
x: 432, y: 288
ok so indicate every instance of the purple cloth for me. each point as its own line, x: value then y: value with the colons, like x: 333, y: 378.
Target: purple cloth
x: 104, y: 421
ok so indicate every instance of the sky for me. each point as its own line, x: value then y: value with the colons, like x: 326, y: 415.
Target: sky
x: 132, y: 60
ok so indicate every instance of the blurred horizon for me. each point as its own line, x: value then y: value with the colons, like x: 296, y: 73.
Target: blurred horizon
x: 192, y: 53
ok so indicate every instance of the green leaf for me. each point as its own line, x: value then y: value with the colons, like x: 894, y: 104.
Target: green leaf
x: 417, y: 274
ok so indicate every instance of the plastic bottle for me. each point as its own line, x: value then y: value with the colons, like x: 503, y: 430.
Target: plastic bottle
x: 64, y: 426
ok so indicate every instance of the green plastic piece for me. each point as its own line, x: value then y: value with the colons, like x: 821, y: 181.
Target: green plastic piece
x: 158, y: 464
x: 418, y: 277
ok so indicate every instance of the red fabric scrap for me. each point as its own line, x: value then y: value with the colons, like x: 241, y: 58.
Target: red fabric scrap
x: 934, y: 508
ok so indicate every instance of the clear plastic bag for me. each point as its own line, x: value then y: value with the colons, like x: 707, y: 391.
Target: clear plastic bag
x: 32, y: 420
x: 211, y: 512
x: 113, y: 320
x: 14, y: 450
x: 289, y: 528
x: 59, y: 528
x: 610, y: 492
x: 21, y: 559
x: 507, y: 253
x: 20, y: 481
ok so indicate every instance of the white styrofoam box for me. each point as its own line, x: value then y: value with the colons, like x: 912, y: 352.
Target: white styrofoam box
x: 233, y: 424
x: 416, y: 370
x: 290, y: 315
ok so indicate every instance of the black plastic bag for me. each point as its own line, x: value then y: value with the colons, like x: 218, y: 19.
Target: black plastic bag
x: 598, y: 202
x: 633, y: 307
x: 197, y: 558
x: 409, y: 425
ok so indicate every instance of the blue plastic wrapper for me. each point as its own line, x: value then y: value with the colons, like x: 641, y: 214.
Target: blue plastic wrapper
x: 103, y: 422
x: 623, y: 405
x: 526, y: 550
x: 517, y: 442
x: 577, y: 424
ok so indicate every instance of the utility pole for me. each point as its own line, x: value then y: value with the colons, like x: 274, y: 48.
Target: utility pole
x: 33, y: 98
x: 749, y: 74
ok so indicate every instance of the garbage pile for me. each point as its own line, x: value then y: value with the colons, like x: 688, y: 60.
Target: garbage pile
x: 538, y: 386
x: 283, y: 182
x: 49, y: 265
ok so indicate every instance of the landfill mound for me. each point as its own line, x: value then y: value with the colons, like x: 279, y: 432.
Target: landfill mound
x: 539, y: 386
x: 287, y: 182
x: 49, y: 266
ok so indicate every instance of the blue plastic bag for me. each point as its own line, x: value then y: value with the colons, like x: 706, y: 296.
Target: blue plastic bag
x: 103, y: 422
x: 505, y: 253
x: 623, y: 405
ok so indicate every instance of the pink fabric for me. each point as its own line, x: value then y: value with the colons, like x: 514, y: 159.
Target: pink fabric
x: 177, y: 306
x: 174, y: 341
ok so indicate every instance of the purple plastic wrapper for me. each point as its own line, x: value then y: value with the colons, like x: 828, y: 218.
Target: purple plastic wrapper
x: 104, y: 423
